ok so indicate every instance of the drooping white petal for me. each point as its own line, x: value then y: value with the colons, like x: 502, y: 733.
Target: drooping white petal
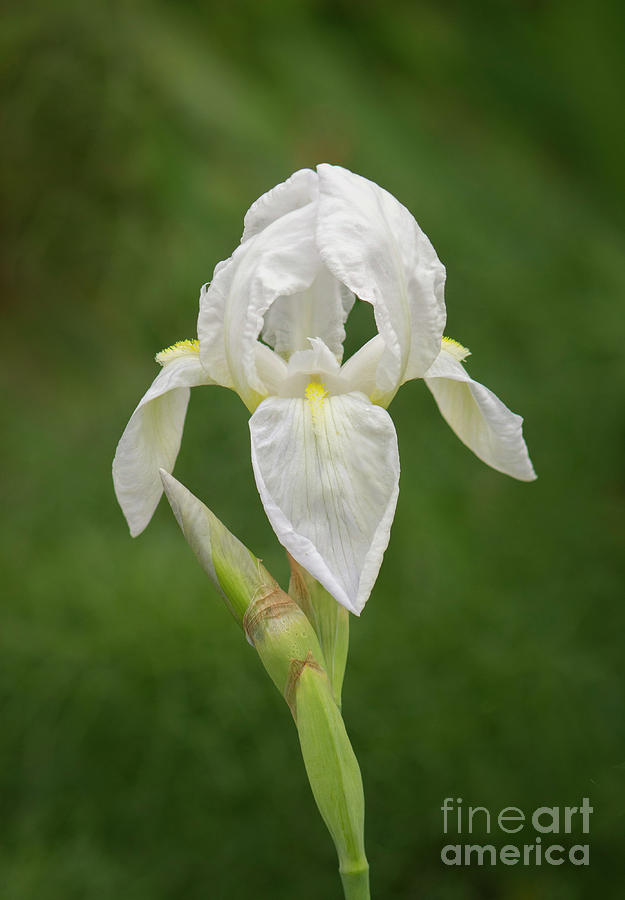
x: 371, y: 243
x: 327, y: 470
x: 479, y: 418
x: 319, y: 311
x: 151, y: 440
x: 280, y: 260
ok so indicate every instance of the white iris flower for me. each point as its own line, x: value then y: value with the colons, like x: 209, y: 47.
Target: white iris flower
x: 324, y: 449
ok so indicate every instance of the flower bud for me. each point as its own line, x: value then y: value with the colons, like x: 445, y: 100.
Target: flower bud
x: 236, y: 573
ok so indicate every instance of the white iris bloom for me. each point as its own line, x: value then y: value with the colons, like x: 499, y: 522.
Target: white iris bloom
x: 324, y: 449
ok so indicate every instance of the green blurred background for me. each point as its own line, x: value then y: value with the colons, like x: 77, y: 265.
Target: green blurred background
x: 143, y: 752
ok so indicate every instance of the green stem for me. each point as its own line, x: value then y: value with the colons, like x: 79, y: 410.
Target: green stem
x: 290, y: 652
x: 356, y: 883
x: 305, y: 658
x: 329, y: 619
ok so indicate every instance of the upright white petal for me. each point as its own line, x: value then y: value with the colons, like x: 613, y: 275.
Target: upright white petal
x: 360, y: 370
x: 271, y: 368
x: 298, y: 190
x: 320, y: 311
x: 318, y: 364
x: 371, y: 243
x: 151, y: 440
x: 279, y: 261
x: 327, y: 470
x: 479, y: 418
x: 317, y: 358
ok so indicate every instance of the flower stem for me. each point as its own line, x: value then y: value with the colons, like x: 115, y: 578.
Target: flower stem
x: 290, y: 652
x: 329, y: 619
x: 305, y: 660
x: 356, y: 883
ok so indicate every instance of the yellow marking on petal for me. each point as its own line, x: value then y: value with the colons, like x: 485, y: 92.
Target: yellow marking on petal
x: 188, y: 347
x: 455, y: 349
x: 316, y: 394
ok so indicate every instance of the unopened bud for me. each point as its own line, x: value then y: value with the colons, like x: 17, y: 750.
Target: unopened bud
x: 236, y: 573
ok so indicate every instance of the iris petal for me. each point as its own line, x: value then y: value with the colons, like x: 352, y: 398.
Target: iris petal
x: 279, y: 261
x: 327, y: 470
x: 372, y: 244
x: 151, y: 440
x: 297, y: 191
x: 479, y: 418
x: 318, y: 312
